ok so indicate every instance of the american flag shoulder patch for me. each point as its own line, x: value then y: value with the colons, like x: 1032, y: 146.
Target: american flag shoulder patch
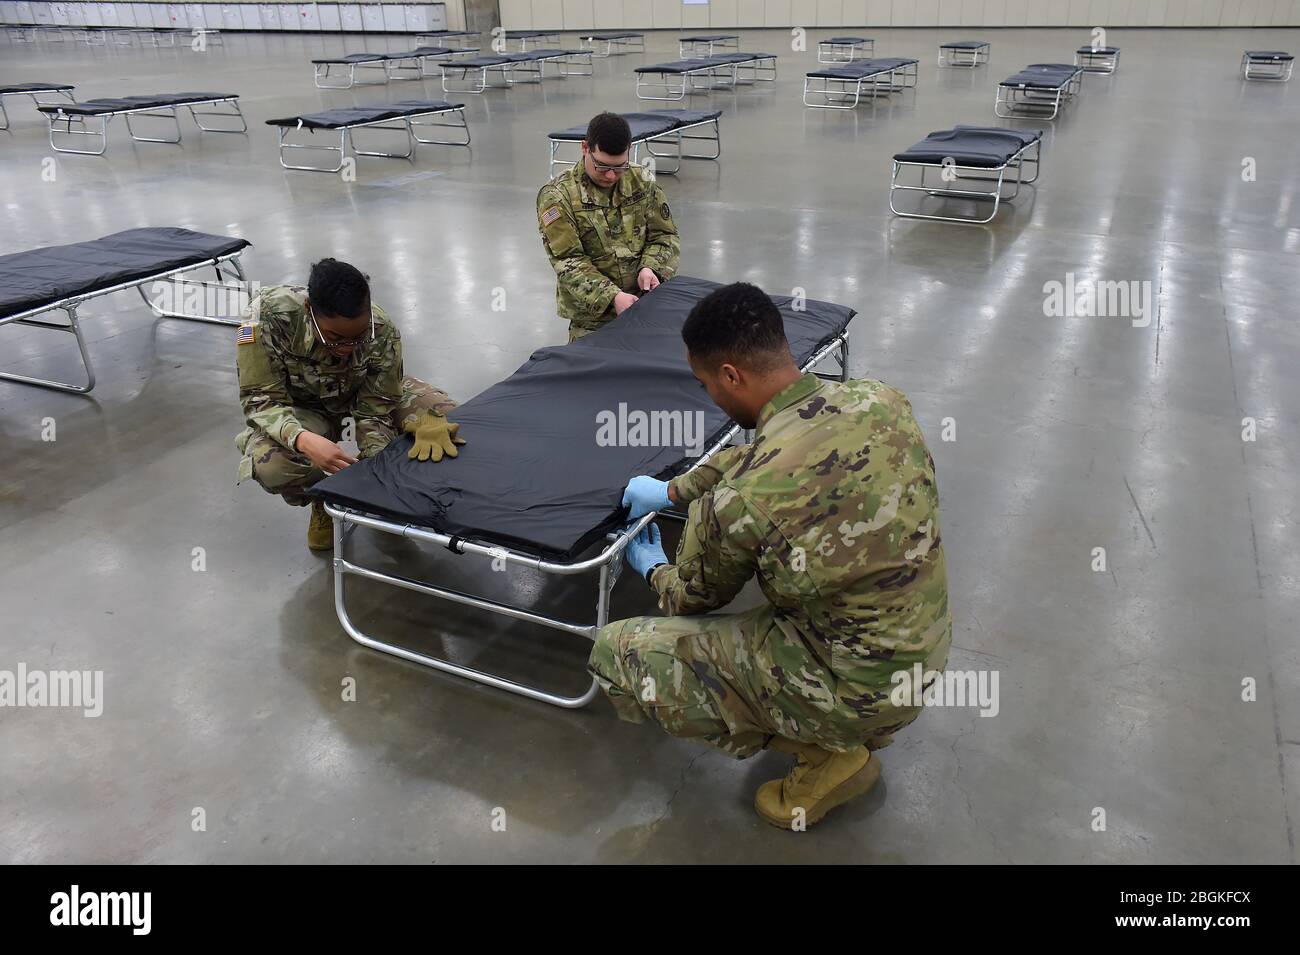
x: 247, y: 334
x: 550, y: 215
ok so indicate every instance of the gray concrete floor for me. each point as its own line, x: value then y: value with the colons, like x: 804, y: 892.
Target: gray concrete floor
x: 1120, y: 690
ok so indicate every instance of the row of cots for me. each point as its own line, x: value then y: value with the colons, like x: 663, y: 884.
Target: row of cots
x: 996, y: 154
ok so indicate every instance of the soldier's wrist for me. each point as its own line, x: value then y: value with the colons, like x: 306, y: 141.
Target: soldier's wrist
x: 649, y: 574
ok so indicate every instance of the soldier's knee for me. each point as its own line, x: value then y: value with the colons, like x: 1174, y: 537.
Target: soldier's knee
x: 279, y: 472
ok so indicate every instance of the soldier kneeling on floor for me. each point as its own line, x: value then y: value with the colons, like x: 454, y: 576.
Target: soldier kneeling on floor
x: 834, y: 507
x: 311, y: 358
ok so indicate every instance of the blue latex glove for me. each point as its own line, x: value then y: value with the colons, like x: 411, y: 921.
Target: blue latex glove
x: 644, y: 494
x: 644, y: 550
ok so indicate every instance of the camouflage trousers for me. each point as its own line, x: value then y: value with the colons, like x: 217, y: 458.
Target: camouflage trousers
x: 289, y: 474
x: 699, y: 678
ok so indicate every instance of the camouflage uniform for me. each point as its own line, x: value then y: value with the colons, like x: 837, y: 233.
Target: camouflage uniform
x: 290, y: 383
x: 835, y: 507
x: 599, y: 239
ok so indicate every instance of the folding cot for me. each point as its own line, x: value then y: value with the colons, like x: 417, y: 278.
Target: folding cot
x: 33, y: 90
x: 390, y: 66
x: 157, y: 105
x: 440, y: 37
x: 1267, y: 65
x: 62, y: 277
x: 411, y: 65
x: 842, y: 87
x: 968, y: 154
x: 708, y: 44
x: 964, y: 53
x: 537, y: 36
x: 700, y: 74
x: 1097, y: 59
x: 622, y: 42
x: 403, y: 117
x: 352, y: 62
x: 1038, y: 91
x: 536, y: 486
x: 657, y: 126
x: 532, y: 65
x: 845, y: 49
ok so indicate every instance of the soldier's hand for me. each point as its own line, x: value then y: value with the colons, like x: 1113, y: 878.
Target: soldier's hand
x: 647, y: 280
x: 435, y: 437
x: 623, y: 301
x: 324, y: 453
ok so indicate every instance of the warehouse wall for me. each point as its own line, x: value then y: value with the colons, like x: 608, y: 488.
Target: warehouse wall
x: 357, y: 15
x: 674, y: 14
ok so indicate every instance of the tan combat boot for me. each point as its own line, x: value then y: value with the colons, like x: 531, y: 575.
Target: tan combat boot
x: 320, y: 532
x: 820, y: 781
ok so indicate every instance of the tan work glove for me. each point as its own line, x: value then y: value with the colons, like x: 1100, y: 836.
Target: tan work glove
x: 434, y: 436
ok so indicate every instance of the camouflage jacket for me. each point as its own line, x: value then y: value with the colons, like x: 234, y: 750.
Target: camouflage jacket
x: 835, y: 507
x: 599, y: 239
x: 282, y: 365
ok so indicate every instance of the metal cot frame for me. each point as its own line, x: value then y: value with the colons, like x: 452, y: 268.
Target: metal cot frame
x: 1266, y: 68
x: 626, y: 42
x: 568, y: 63
x: 1099, y: 60
x: 964, y: 56
x: 70, y: 305
x: 321, y: 76
x: 405, y: 124
x: 1027, y: 155
x: 159, y: 112
x: 460, y: 37
x: 848, y: 91
x: 394, y: 64
x: 608, y: 563
x: 1018, y: 99
x: 62, y: 91
x: 844, y: 49
x: 720, y: 75
x: 676, y: 136
x: 537, y: 36
x: 688, y: 45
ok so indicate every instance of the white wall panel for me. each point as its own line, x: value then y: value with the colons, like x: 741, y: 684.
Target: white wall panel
x: 372, y: 18
x: 636, y: 15
x: 548, y: 15
x: 667, y: 14
x: 723, y: 14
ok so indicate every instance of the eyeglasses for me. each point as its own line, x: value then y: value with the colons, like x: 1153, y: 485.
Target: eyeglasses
x: 342, y: 342
x: 606, y: 167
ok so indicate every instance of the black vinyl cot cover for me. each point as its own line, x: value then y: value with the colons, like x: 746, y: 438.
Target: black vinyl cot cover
x: 42, y: 277
x: 678, y: 66
x: 34, y: 87
x: 539, y: 474
x: 352, y: 58
x: 976, y: 146
x: 654, y: 122
x: 352, y: 115
x: 95, y: 107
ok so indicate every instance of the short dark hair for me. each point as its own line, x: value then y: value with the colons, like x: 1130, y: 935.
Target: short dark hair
x: 737, y: 323
x: 337, y: 289
x: 610, y: 133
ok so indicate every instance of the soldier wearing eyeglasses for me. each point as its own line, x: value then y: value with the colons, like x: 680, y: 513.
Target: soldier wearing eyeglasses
x: 607, y: 230
x: 312, y: 360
